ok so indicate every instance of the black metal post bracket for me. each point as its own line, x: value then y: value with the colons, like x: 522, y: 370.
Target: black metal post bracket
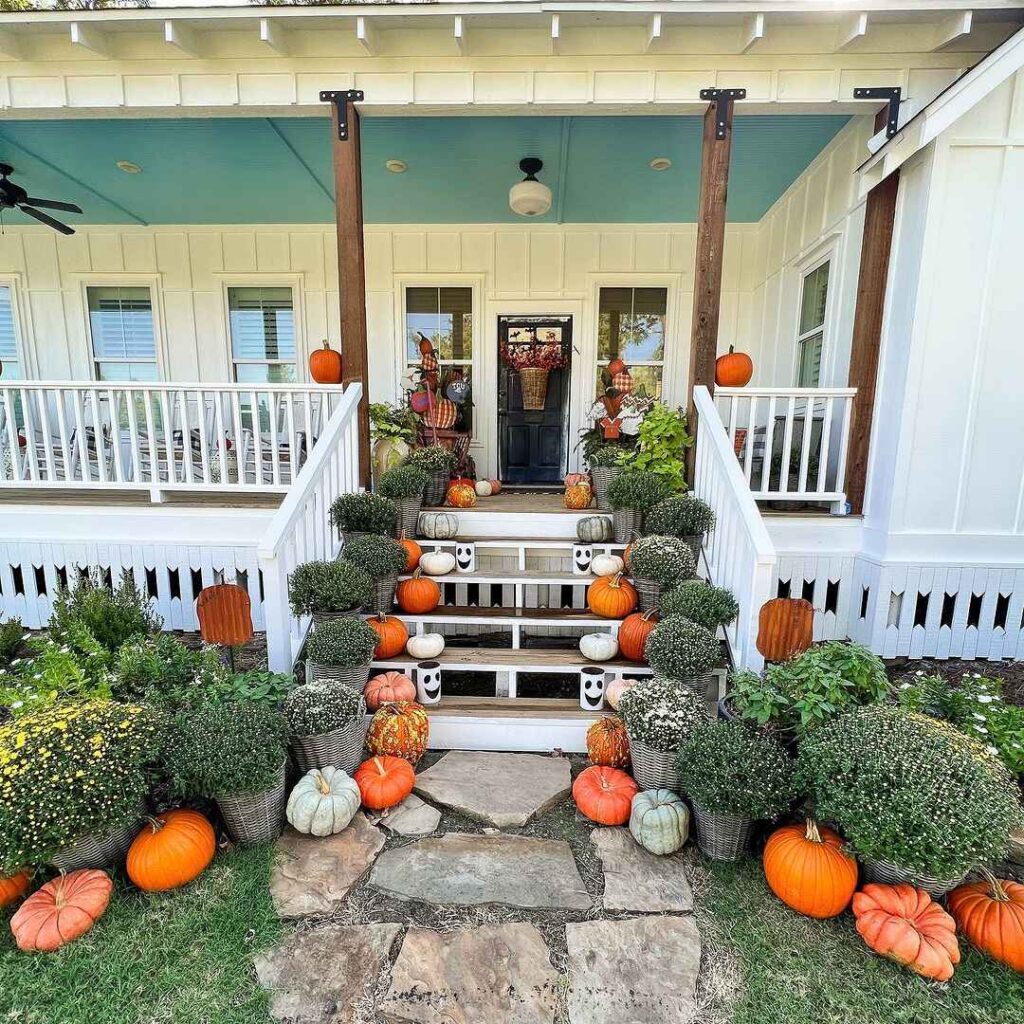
x: 722, y: 99
x: 891, y: 94
x: 341, y: 99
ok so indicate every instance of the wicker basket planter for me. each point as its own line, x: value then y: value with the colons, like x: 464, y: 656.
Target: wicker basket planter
x: 602, y: 477
x: 534, y: 383
x: 628, y: 523
x: 696, y: 543
x: 351, y: 675
x: 408, y: 515
x: 340, y: 748
x: 721, y: 836
x: 649, y: 594
x: 99, y: 851
x: 435, y: 492
x: 653, y: 769
x: 319, y: 618
x: 252, y: 818
x: 382, y: 597
x: 890, y: 874
x: 352, y: 535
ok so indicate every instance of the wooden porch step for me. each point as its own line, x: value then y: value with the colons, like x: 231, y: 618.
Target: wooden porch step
x: 525, y: 659
x: 530, y: 543
x: 511, y: 576
x: 460, y: 615
x: 510, y: 707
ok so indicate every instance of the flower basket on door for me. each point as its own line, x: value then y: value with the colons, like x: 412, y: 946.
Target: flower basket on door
x: 533, y: 359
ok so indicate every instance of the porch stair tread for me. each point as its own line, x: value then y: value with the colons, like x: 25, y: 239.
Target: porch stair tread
x: 522, y: 659
x: 518, y: 542
x: 511, y: 576
x: 469, y: 614
x: 510, y: 707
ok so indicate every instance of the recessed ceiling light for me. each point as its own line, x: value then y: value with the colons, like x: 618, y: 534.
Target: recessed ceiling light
x: 660, y: 163
x: 128, y: 167
x: 396, y: 166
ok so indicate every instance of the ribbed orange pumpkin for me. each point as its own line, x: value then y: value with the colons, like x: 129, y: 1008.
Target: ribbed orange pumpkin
x: 325, y: 365
x: 495, y: 486
x: 611, y: 597
x: 991, y: 914
x: 633, y: 634
x: 604, y: 795
x: 171, y: 850
x: 400, y: 729
x: 904, y: 924
x: 734, y: 369
x: 384, y: 781
x: 413, y: 553
x: 418, y: 595
x: 386, y: 687
x: 13, y: 888
x: 608, y: 743
x: 577, y: 496
x: 442, y: 413
x: 461, y: 495
x: 61, y: 911
x: 806, y: 868
x: 392, y: 632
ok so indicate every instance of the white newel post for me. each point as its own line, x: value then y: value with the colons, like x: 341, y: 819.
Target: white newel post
x: 277, y: 614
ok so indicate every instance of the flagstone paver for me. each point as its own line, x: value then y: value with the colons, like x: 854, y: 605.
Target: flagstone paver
x: 463, y: 869
x: 635, y: 879
x: 492, y: 974
x: 637, y: 971
x: 327, y: 973
x: 496, y: 788
x: 412, y: 817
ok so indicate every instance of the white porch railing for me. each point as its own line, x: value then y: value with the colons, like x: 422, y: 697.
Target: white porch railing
x: 791, y: 443
x: 738, y: 553
x: 300, y: 530
x: 159, y: 437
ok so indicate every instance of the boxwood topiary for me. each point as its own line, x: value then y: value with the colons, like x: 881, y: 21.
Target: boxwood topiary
x: 680, y: 649
x: 377, y: 556
x: 680, y: 516
x: 700, y: 602
x: 666, y: 560
x: 342, y: 643
x: 319, y: 587
x: 637, y: 490
x: 364, y: 512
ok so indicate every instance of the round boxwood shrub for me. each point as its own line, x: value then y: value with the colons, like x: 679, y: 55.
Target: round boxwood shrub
x: 680, y: 516
x: 317, y: 587
x: 377, y: 556
x: 364, y: 512
x: 700, y: 602
x: 405, y: 481
x: 342, y: 643
x: 666, y: 560
x: 680, y: 649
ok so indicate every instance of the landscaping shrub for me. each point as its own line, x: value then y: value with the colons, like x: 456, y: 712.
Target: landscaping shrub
x: 112, y: 616
x: 364, y: 512
x: 322, y: 706
x: 405, y: 481
x: 162, y: 670
x: 661, y: 713
x: 666, y: 560
x: 605, y: 454
x: 12, y: 634
x: 661, y: 445
x: 342, y: 643
x: 680, y: 649
x: 316, y: 587
x: 700, y: 602
x: 638, y: 490
x: 377, y: 556
x: 680, y: 516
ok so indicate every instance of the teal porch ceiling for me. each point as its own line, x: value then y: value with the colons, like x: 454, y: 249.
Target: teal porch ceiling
x: 278, y: 170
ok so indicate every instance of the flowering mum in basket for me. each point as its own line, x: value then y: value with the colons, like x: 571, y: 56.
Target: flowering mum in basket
x: 539, y: 356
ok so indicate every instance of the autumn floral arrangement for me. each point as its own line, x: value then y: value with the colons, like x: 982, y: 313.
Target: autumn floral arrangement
x: 540, y: 355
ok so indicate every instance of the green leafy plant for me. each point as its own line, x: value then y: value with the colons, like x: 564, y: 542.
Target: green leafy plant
x: 682, y: 515
x: 322, y: 706
x: 111, y: 615
x: 377, y: 556
x: 163, y: 671
x: 680, y: 649
x: 342, y: 643
x: 406, y: 481
x: 392, y: 421
x: 322, y: 587
x: 597, y: 450
x: 662, y: 441
x: 910, y: 790
x: 700, y: 602
x: 727, y: 769
x: 257, y: 686
x: 637, y: 489
x: 12, y: 635
x: 69, y: 771
x: 606, y: 454
x: 666, y: 560
x: 364, y: 512
x: 434, y: 458
x: 661, y: 713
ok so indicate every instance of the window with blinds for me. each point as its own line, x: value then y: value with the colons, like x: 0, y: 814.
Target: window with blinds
x: 8, y: 340
x: 262, y: 335
x: 811, y: 332
x: 123, y: 340
x: 631, y: 327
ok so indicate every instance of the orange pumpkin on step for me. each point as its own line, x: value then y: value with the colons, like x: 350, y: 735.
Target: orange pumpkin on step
x: 387, y: 687
x: 734, y: 369
x: 611, y: 597
x: 633, y: 634
x: 413, y: 553
x: 13, y: 888
x: 608, y: 743
x: 392, y: 633
x: 461, y: 495
x: 400, y: 729
x: 418, y: 595
x: 577, y: 496
x: 172, y: 849
x: 61, y: 911
x: 807, y: 869
x: 991, y: 914
x: 384, y: 782
x: 325, y: 365
x: 604, y: 795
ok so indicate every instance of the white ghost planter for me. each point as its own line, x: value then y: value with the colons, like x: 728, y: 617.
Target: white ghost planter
x: 465, y: 558
x: 582, y: 556
x: 428, y: 682
x: 591, y: 688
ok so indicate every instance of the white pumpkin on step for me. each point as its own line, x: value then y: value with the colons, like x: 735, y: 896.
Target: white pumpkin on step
x: 437, y: 563
x: 425, y: 646
x: 483, y: 488
x: 606, y: 565
x: 598, y: 646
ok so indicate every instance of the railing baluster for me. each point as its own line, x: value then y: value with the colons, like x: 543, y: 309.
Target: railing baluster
x: 186, y: 438
x: 748, y: 454
x: 81, y: 439
x: 47, y: 437
x: 293, y: 442
x: 844, y: 444
x: 769, y: 444
x: 275, y: 448
x: 787, y: 444
x: 236, y: 419
x: 31, y: 456
x: 805, y: 443
x: 222, y: 443
x: 151, y: 439
x: 167, y: 435
x: 824, y: 452
x: 99, y: 435
x: 202, y: 424
x: 12, y: 437
x: 132, y: 412
x: 62, y: 433
x: 114, y: 408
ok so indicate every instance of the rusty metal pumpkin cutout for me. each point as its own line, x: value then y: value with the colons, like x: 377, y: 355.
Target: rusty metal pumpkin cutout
x: 225, y: 615
x: 785, y: 628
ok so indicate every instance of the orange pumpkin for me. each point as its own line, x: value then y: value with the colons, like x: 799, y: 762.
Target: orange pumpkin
x: 495, y: 486
x: 615, y: 689
x: 785, y: 628
x: 577, y: 496
x: 616, y: 366
x: 904, y: 924
x: 225, y: 615
x: 400, y: 729
x: 173, y: 849
x: 461, y: 495
x: 734, y: 369
x: 442, y: 414
x: 386, y: 687
x: 61, y: 911
x: 633, y: 634
x: 384, y: 782
x: 991, y: 914
x: 393, y: 635
x: 806, y: 868
x: 604, y: 795
x: 13, y: 888
x: 626, y: 552
x: 418, y: 595
x: 611, y: 597
x: 325, y: 365
x: 607, y: 742
x: 413, y: 553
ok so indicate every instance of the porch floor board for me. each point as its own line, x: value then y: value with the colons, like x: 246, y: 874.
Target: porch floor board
x: 525, y: 659
x: 510, y: 707
x: 135, y: 499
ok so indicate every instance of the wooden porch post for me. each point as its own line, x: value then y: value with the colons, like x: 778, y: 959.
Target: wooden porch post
x: 348, y: 207
x: 879, y: 218
x: 707, y: 278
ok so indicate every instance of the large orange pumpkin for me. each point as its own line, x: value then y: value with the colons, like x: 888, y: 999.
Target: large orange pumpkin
x: 384, y: 781
x: 807, y: 869
x: 61, y: 911
x: 607, y: 742
x: 418, y: 595
x: 734, y: 369
x: 325, y: 365
x: 611, y: 597
x: 13, y: 888
x: 413, y: 553
x: 442, y: 413
x: 173, y: 848
x: 400, y: 729
x: 991, y: 914
x: 604, y: 795
x: 387, y: 687
x: 577, y: 496
x: 633, y: 634
x: 461, y: 495
x: 392, y: 632
x: 906, y: 925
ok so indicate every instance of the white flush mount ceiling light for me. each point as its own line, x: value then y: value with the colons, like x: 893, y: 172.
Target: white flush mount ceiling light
x: 530, y: 197
x: 128, y: 167
x: 396, y: 166
x: 660, y: 163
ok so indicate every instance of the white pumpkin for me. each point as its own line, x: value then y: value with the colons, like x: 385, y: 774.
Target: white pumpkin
x: 323, y: 802
x: 437, y: 563
x: 606, y: 565
x: 483, y: 488
x: 598, y: 646
x: 660, y: 821
x: 438, y: 525
x: 425, y: 646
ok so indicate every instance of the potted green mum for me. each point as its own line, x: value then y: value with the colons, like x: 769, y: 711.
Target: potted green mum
x: 327, y: 723
x: 404, y: 485
x: 341, y: 649
x: 605, y: 465
x: 382, y: 559
x: 682, y: 516
x: 329, y: 590
x: 681, y: 650
x: 733, y: 777
x: 631, y: 495
x: 438, y: 462
x: 362, y: 512
x: 701, y: 602
x: 658, y: 563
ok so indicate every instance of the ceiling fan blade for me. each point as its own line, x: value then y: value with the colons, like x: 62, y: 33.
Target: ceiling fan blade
x: 46, y: 219
x: 53, y: 204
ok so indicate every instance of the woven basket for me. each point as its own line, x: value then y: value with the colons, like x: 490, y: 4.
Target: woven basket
x: 382, y: 597
x: 408, y: 515
x: 628, y: 523
x: 352, y: 535
x: 252, y: 818
x: 351, y: 675
x: 340, y: 748
x: 721, y: 836
x: 653, y: 769
x: 696, y: 543
x: 891, y: 874
x: 602, y: 477
x: 649, y: 594
x: 102, y: 851
x: 436, y: 490
x: 534, y: 383
x: 319, y: 618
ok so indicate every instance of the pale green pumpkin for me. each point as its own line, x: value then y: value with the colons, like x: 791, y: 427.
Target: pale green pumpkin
x: 323, y: 802
x: 659, y: 821
x: 438, y: 525
x: 594, y: 529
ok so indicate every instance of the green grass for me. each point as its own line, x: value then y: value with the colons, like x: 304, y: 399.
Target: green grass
x: 798, y: 971
x: 183, y: 957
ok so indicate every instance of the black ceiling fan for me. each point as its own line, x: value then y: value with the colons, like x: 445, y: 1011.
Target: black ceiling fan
x: 14, y: 197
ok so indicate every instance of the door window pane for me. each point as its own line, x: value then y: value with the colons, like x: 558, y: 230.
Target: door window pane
x: 811, y: 336
x: 8, y: 342
x: 123, y: 340
x: 631, y: 327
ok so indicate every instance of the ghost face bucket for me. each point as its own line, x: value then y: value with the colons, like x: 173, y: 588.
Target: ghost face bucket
x: 591, y: 688
x: 428, y: 682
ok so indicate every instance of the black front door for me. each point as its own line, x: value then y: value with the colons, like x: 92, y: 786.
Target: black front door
x: 531, y: 443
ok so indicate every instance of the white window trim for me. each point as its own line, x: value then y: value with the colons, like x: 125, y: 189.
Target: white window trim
x: 26, y: 353
x: 827, y: 251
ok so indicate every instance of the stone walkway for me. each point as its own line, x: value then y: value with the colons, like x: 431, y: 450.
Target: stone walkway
x: 483, y: 900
